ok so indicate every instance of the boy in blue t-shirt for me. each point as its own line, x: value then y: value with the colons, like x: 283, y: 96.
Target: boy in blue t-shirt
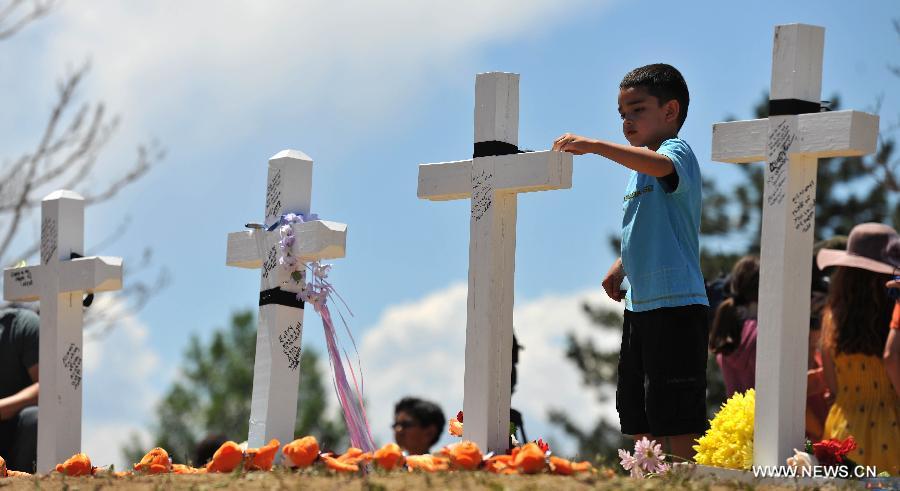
x: 661, y: 390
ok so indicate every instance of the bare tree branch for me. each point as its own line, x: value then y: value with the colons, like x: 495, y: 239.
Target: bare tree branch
x: 64, y: 158
x: 101, y: 322
x: 14, y: 17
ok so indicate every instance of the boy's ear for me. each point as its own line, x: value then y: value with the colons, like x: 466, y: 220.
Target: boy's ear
x: 672, y: 110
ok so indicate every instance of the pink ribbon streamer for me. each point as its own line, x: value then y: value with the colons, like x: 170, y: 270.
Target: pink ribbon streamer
x: 350, y: 397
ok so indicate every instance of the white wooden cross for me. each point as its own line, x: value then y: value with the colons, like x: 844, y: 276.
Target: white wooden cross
x: 276, y: 370
x: 59, y: 283
x: 492, y: 183
x: 790, y: 141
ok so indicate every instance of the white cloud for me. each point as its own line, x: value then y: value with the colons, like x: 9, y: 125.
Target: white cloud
x: 122, y: 383
x: 217, y: 69
x: 418, y: 349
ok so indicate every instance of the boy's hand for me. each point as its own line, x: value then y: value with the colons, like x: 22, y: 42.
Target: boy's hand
x: 613, y: 280
x: 574, y: 144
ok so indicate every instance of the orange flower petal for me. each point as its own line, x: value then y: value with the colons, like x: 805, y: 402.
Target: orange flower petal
x: 500, y: 464
x: 77, y: 465
x: 428, y: 463
x: 560, y: 466
x: 464, y: 455
x: 155, y: 462
x: 302, y: 452
x: 338, y: 465
x: 2, y: 467
x: 227, y: 458
x: 186, y: 469
x: 529, y: 459
x: 354, y: 455
x: 456, y: 427
x: 261, y: 459
x: 389, y: 457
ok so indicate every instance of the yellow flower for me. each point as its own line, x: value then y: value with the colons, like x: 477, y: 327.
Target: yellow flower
x: 729, y: 441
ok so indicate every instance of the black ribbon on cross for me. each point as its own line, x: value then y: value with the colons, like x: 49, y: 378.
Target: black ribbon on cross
x: 792, y: 107
x: 494, y: 147
x: 278, y: 296
x: 89, y: 298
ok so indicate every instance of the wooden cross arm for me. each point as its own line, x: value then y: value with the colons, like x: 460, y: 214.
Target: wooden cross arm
x: 316, y: 239
x: 514, y: 173
x: 319, y: 239
x: 445, y: 181
x: 21, y: 284
x: 91, y: 274
x: 243, y: 250
x: 828, y: 134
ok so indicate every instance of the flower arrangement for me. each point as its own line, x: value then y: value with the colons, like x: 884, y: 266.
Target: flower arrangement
x: 729, y: 441
x: 648, y: 459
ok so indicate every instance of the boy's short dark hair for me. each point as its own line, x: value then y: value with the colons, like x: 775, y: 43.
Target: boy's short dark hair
x: 663, y: 82
x: 425, y: 412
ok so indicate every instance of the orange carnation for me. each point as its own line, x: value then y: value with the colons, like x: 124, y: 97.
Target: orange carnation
x: 566, y: 467
x: 155, y: 462
x: 77, y: 465
x: 464, y: 455
x: 529, y: 458
x: 428, y: 463
x: 227, y: 458
x: 302, y: 452
x: 389, y: 456
x: 2, y: 467
x: 261, y: 459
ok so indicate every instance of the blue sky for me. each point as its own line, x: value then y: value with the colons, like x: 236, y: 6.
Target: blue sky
x: 369, y: 92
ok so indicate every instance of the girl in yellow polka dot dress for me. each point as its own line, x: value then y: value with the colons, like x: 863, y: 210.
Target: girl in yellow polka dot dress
x: 860, y: 347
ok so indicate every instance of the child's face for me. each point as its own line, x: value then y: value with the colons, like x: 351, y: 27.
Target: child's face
x: 644, y: 122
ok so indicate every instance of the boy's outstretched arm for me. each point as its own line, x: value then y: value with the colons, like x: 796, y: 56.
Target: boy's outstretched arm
x: 641, y: 159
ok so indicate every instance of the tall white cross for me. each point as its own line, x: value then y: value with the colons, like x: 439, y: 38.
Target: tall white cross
x: 276, y: 370
x: 492, y: 183
x: 59, y: 283
x: 790, y: 141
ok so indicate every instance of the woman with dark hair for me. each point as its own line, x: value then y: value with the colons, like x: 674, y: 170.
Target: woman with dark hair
x: 733, y: 334
x: 860, y: 358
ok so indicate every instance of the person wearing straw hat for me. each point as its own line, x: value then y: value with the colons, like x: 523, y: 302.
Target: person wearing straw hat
x: 861, y: 348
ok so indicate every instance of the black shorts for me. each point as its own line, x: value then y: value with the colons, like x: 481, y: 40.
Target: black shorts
x: 661, y: 386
